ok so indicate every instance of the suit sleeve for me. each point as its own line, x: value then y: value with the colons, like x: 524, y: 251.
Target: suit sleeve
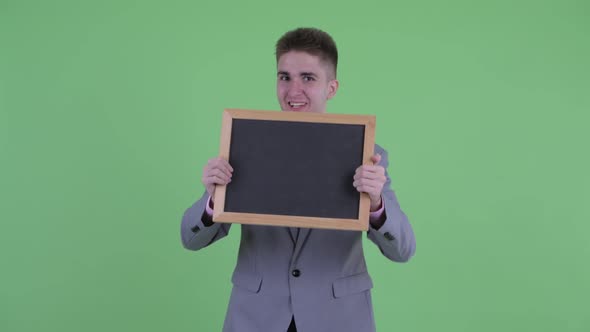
x: 193, y: 231
x: 395, y: 238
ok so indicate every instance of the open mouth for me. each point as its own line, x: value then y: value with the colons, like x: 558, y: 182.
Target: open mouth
x: 296, y: 106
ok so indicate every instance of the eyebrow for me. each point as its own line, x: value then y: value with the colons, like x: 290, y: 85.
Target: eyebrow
x: 305, y: 73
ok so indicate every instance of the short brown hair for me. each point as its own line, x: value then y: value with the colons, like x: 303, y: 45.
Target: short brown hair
x: 310, y: 40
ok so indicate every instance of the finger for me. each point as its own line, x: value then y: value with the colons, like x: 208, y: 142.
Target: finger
x: 213, y: 164
x: 216, y: 180
x: 219, y: 181
x: 222, y: 165
x: 212, y: 170
x: 371, y: 190
x: 357, y: 171
x: 371, y: 168
x: 370, y: 174
x: 368, y: 183
x: 219, y: 161
x: 226, y: 165
x: 220, y: 173
x: 376, y: 168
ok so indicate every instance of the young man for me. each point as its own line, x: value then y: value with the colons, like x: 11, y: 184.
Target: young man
x: 299, y: 278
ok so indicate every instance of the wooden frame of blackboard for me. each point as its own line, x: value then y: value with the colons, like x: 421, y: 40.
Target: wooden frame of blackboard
x: 361, y: 223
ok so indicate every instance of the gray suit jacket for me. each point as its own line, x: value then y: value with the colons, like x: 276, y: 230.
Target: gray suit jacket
x: 318, y: 275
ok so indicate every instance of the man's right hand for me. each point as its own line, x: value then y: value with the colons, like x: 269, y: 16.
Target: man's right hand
x: 217, y: 172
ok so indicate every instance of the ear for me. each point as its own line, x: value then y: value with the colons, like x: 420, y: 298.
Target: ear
x: 332, y: 88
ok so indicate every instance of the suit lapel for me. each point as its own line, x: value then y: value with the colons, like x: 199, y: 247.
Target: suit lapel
x: 300, y: 240
x: 293, y: 234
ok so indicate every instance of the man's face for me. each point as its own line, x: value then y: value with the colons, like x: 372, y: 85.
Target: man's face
x: 303, y: 82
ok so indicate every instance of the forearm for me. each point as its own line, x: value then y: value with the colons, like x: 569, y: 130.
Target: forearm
x: 197, y: 228
x: 395, y: 238
x: 392, y: 231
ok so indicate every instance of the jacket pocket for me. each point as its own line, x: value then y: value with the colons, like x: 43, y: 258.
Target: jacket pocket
x: 352, y: 284
x: 251, y: 282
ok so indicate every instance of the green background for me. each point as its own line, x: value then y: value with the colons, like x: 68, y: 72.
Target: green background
x: 110, y: 109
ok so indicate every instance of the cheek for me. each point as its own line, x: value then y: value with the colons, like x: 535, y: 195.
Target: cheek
x: 319, y: 94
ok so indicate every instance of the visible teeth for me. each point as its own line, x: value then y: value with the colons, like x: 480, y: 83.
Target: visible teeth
x: 296, y: 104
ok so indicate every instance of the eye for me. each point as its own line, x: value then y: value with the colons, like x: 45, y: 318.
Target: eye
x: 284, y: 78
x: 308, y: 78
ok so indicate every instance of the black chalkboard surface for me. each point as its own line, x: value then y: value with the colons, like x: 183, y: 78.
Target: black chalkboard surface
x: 294, y: 169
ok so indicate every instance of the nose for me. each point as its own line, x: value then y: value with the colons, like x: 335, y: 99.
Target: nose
x: 295, y: 87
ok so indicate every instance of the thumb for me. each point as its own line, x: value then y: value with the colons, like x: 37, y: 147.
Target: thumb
x: 376, y: 158
x: 211, y: 190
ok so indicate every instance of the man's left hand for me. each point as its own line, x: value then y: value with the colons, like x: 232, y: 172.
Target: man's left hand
x: 370, y: 179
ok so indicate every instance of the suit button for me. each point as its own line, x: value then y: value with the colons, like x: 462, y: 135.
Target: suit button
x: 389, y: 236
x: 296, y: 273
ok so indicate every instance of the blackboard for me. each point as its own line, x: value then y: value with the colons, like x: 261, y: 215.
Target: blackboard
x: 294, y: 169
